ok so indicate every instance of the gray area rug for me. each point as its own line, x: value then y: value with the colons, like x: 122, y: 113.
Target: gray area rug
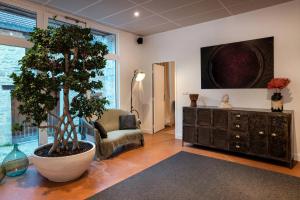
x: 193, y: 177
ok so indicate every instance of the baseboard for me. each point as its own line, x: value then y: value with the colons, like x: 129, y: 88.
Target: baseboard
x: 178, y: 137
x: 149, y: 131
x: 297, y: 156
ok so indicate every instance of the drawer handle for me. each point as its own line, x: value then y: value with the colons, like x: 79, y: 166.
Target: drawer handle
x: 261, y: 133
x: 237, y: 126
x: 237, y: 136
x: 237, y: 116
x: 273, y: 134
x: 237, y: 146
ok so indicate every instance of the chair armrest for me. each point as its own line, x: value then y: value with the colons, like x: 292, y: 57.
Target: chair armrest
x: 95, y: 132
x: 96, y: 137
x: 138, y: 123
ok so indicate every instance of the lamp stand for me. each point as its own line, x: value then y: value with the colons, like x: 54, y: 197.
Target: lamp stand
x: 131, y: 106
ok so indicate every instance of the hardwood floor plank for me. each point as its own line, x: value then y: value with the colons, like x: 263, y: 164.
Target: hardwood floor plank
x: 104, y: 174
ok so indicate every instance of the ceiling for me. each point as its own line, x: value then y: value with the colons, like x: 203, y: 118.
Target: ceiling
x: 156, y: 15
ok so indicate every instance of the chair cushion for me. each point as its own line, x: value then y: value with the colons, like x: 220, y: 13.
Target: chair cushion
x: 121, y: 135
x: 110, y: 119
x: 127, y: 122
x: 117, y: 139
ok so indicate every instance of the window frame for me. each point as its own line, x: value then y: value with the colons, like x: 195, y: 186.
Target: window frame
x: 19, y: 11
x: 112, y: 57
x: 42, y: 15
x: 22, y: 43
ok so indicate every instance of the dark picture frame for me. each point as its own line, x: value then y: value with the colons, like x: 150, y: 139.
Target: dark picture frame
x: 246, y: 64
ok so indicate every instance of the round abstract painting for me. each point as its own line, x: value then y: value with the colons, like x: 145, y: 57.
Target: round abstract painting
x: 235, y: 65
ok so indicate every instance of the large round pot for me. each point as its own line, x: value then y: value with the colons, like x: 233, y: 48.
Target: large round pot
x: 66, y: 168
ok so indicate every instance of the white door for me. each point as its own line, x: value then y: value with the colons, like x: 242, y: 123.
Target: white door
x: 158, y: 98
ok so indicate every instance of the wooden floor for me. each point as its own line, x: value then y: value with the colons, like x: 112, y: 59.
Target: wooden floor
x: 104, y: 174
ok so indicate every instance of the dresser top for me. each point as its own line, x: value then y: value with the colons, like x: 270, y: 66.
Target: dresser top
x: 241, y: 109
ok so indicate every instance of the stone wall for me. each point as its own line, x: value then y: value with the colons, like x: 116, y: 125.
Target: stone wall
x: 9, y: 57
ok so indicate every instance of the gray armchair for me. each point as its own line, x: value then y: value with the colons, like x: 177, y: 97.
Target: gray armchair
x: 116, y: 138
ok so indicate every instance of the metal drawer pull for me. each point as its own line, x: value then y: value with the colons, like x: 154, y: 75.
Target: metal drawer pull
x: 237, y: 146
x: 237, y: 126
x: 273, y: 134
x: 237, y: 116
x: 261, y: 133
x: 237, y: 136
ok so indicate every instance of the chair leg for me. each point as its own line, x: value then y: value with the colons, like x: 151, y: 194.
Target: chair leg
x: 142, y: 142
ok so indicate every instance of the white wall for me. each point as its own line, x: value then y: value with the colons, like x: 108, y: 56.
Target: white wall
x: 129, y: 59
x: 183, y: 46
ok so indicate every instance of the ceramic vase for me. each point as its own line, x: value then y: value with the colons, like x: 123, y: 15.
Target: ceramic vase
x: 277, y: 102
x: 15, y: 163
x: 194, y: 98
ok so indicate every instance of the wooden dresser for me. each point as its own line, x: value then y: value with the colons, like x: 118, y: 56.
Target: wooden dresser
x: 256, y: 132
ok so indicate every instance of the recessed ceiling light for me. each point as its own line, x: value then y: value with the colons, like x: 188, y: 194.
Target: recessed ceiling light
x: 136, y: 13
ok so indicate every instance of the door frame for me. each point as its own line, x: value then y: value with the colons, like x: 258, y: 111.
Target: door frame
x: 152, y: 90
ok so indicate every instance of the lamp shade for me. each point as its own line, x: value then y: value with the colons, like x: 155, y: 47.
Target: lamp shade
x: 140, y: 76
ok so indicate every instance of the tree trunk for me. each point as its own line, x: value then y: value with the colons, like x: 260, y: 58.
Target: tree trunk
x: 63, y: 142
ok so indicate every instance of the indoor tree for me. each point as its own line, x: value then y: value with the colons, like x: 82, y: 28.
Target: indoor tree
x: 62, y: 59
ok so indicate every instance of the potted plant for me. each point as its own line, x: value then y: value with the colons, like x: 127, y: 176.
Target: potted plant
x: 277, y: 84
x: 62, y: 59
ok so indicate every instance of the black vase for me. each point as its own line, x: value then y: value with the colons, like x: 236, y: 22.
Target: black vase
x: 277, y: 102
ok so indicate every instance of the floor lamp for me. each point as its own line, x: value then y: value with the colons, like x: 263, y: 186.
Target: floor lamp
x: 137, y: 76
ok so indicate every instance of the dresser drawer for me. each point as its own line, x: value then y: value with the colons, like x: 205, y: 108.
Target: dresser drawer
x: 189, y: 116
x: 238, y: 116
x: 258, y: 138
x: 239, y: 147
x: 189, y: 134
x: 203, y: 117
x: 258, y: 123
x: 239, y: 137
x: 258, y: 133
x: 220, y: 119
x: 238, y: 121
x: 279, y: 126
x: 278, y: 148
x: 203, y: 134
x: 220, y: 139
x: 258, y: 147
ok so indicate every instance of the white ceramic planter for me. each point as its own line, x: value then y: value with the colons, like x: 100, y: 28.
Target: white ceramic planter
x: 63, y: 169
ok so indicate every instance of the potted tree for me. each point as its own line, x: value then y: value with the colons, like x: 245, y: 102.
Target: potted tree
x: 62, y: 59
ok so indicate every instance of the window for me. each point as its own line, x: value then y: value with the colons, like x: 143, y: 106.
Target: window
x: 16, y: 22
x: 56, y: 23
x: 109, y: 78
x: 108, y: 39
x: 109, y: 83
x: 27, y: 138
x: 59, y: 109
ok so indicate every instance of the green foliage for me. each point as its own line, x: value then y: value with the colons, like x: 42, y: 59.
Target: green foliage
x: 61, y: 58
x: 17, y: 127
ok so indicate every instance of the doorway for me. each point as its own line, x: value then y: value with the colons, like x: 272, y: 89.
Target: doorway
x: 163, y: 95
